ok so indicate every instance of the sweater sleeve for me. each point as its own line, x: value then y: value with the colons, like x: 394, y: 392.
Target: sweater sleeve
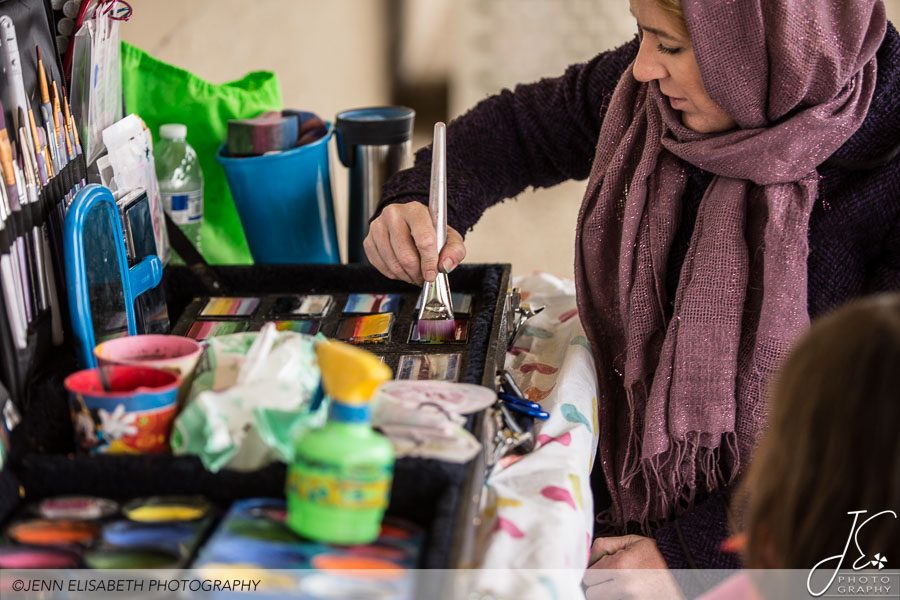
x: 694, y: 540
x: 539, y: 134
x: 884, y: 275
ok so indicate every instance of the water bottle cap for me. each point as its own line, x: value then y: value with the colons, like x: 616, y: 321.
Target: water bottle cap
x: 173, y: 131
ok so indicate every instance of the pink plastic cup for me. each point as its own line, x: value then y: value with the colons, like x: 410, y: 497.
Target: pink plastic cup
x: 172, y: 353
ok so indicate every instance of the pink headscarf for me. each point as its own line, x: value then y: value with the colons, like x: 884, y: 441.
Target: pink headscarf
x: 682, y: 400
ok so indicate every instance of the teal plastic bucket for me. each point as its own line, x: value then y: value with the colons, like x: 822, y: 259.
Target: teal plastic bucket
x: 285, y: 205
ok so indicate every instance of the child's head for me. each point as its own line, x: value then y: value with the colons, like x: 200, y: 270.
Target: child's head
x: 833, y: 443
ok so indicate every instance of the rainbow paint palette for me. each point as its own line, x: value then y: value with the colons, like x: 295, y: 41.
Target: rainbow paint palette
x: 458, y: 334
x: 462, y: 303
x: 372, y: 303
x: 202, y: 330
x: 229, y: 307
x: 366, y: 329
x: 311, y: 306
x: 308, y: 326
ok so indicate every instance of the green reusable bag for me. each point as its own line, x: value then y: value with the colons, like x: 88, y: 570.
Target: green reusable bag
x: 160, y: 93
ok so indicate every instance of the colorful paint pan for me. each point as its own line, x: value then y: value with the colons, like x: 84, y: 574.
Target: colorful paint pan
x: 167, y: 509
x: 131, y: 534
x: 368, y: 329
x: 459, y: 334
x: 22, y: 557
x: 346, y: 562
x: 240, y: 551
x: 301, y: 306
x: 77, y: 507
x: 462, y: 303
x: 44, y: 532
x: 308, y: 327
x: 263, y: 529
x: 131, y: 558
x: 230, y: 307
x: 435, y: 367
x: 202, y: 330
x: 372, y: 303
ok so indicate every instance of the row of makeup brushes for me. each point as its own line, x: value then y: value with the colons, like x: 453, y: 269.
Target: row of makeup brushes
x: 30, y: 158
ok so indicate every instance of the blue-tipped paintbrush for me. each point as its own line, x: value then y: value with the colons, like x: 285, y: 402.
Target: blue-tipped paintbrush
x: 435, y: 321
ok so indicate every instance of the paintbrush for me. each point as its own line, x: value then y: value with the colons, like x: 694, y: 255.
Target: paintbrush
x: 435, y: 320
x: 35, y: 237
x: 38, y: 150
x: 12, y: 292
x: 17, y: 250
x: 69, y: 123
x: 47, y: 112
x: 57, y: 125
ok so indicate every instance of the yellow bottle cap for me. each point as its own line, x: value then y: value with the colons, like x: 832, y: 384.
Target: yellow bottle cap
x: 349, y: 374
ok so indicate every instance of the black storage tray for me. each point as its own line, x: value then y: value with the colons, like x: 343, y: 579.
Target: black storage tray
x: 440, y: 497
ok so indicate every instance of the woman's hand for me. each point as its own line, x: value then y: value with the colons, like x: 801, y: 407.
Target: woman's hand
x: 615, y: 562
x: 401, y: 244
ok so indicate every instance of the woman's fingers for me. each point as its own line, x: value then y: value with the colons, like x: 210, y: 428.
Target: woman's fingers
x: 454, y: 251
x: 425, y: 240
x: 389, y: 264
x: 402, y: 244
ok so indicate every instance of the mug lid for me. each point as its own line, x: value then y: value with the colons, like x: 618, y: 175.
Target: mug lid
x: 376, y: 125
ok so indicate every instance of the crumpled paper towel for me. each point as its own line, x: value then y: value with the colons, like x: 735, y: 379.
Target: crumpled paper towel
x: 250, y: 400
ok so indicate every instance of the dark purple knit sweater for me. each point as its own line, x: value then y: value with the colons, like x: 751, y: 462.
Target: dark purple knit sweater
x: 544, y: 133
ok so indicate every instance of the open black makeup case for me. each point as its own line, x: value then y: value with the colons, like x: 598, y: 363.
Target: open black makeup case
x: 441, y: 498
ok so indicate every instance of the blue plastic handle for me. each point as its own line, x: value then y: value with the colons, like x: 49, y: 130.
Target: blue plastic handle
x: 135, y: 281
x: 541, y: 415
x: 523, y: 402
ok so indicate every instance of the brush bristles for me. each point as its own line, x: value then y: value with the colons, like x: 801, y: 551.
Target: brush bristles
x: 435, y: 330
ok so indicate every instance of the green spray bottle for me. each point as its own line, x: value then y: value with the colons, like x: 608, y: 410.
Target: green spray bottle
x: 339, y: 483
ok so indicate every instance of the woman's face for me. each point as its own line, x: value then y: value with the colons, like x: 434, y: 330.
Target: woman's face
x: 666, y: 55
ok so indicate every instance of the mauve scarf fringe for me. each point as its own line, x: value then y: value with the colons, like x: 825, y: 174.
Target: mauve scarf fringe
x: 674, y: 490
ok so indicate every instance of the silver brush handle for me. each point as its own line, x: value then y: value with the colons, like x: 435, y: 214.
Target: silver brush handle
x: 437, y: 198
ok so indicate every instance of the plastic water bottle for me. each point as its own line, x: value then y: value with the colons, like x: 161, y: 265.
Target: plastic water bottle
x: 180, y: 180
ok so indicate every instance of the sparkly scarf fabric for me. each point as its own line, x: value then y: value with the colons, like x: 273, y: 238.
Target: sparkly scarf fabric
x: 682, y: 399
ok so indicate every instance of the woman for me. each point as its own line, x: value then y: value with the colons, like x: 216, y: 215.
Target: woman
x: 743, y: 178
x: 831, y: 450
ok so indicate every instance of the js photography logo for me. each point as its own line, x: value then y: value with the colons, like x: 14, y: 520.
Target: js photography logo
x: 855, y: 583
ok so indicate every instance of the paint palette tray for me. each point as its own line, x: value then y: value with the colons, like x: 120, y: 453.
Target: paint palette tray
x: 254, y: 534
x: 440, y: 498
x: 87, y: 531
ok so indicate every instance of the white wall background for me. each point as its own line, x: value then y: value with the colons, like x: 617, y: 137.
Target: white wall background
x: 331, y: 55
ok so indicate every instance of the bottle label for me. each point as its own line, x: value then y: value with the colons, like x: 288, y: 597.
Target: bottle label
x: 362, y: 487
x: 184, y: 208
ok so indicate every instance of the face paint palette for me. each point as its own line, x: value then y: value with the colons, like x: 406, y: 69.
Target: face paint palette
x: 254, y: 534
x: 459, y: 334
x: 27, y: 557
x: 309, y: 307
x: 202, y: 330
x: 77, y: 507
x: 307, y: 327
x: 462, y: 303
x: 156, y: 532
x: 372, y: 303
x: 167, y: 509
x: 366, y: 329
x: 46, y: 532
x: 440, y: 367
x: 229, y: 307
